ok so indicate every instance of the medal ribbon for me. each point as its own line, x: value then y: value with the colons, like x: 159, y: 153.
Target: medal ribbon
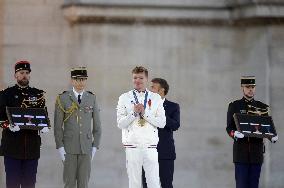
x: 145, y: 100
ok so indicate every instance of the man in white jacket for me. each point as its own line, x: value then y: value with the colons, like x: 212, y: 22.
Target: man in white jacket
x: 139, y: 113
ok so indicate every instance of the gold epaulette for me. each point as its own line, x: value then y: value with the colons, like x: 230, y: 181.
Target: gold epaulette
x: 69, y: 111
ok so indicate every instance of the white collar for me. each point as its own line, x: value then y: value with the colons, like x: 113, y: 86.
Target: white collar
x: 163, y: 99
x: 76, y: 93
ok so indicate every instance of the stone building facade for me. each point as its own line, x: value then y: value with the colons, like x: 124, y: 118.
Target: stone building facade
x: 201, y: 47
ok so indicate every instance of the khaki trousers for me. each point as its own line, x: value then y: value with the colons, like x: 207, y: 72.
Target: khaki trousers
x: 77, y: 170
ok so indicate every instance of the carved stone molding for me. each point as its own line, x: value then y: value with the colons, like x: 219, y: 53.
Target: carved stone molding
x: 233, y: 13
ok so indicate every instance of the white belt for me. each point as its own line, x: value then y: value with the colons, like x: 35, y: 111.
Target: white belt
x: 140, y: 145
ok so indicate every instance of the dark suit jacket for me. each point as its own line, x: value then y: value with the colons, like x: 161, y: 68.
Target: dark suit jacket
x: 166, y: 145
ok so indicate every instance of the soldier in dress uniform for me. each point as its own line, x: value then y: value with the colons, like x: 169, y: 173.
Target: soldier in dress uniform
x: 77, y: 130
x: 139, y: 113
x: 247, y: 151
x: 20, y: 147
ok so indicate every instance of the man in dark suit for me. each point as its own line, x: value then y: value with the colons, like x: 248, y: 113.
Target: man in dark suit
x: 166, y: 146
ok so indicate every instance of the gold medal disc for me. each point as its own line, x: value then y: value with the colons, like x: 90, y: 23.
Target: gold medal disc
x: 141, y: 122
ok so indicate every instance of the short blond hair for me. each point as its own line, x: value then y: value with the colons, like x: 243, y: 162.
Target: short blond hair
x: 140, y: 69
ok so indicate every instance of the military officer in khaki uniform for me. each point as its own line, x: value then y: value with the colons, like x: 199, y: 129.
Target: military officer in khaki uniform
x: 76, y: 139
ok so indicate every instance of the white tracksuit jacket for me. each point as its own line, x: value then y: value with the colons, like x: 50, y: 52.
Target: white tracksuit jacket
x: 132, y: 133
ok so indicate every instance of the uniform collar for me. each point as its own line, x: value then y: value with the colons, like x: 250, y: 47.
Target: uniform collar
x: 21, y: 88
x: 248, y: 101
x: 76, y: 93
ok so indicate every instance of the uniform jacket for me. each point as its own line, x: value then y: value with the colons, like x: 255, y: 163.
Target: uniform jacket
x: 166, y: 145
x: 247, y: 149
x: 132, y: 133
x: 77, y: 127
x: 23, y: 144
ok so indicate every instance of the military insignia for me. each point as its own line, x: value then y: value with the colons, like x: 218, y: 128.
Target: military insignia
x: 258, y: 111
x: 88, y: 109
x: 32, y: 100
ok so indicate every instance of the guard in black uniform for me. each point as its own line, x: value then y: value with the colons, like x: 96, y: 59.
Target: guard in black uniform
x: 247, y: 151
x: 20, y: 148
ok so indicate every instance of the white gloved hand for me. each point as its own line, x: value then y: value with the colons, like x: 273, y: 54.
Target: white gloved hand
x: 62, y: 153
x: 93, y: 152
x: 44, y: 130
x: 238, y: 134
x: 14, y: 128
x: 274, y: 139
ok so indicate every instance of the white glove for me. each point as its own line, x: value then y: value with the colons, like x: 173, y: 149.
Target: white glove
x: 62, y: 153
x: 93, y: 152
x: 238, y: 134
x: 44, y: 130
x: 14, y: 128
x: 274, y: 139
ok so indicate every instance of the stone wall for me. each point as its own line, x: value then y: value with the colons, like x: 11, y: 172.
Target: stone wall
x: 202, y: 63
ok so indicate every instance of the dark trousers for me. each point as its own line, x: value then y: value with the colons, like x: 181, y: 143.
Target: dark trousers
x: 166, y: 172
x: 247, y: 175
x: 20, y: 173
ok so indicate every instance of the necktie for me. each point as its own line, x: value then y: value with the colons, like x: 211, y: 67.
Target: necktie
x: 79, y: 99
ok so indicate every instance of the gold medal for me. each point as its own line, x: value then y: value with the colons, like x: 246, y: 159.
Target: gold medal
x: 141, y: 122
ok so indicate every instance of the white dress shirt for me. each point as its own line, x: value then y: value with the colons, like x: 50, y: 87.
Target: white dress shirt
x: 76, y: 93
